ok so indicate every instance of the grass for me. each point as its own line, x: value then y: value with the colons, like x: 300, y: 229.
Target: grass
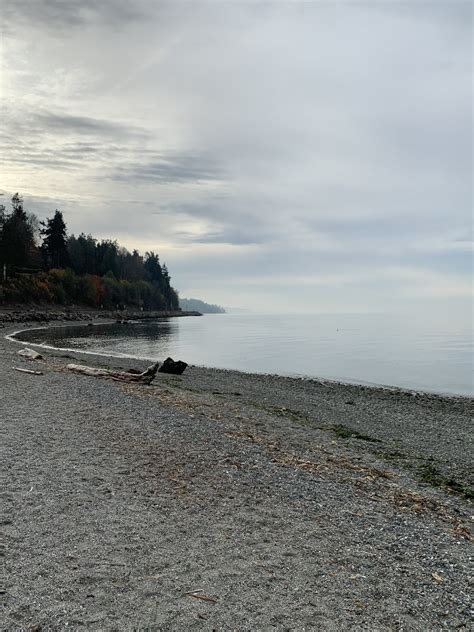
x: 294, y: 415
x: 430, y: 475
x: 344, y: 432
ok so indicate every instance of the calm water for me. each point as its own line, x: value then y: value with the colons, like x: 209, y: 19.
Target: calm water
x: 376, y: 349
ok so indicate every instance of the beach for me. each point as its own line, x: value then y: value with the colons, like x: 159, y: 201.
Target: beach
x: 230, y: 501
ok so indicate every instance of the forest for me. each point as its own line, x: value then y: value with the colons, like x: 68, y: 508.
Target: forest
x: 196, y: 305
x: 41, y: 263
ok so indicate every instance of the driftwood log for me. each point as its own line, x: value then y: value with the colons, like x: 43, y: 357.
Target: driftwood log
x: 28, y: 371
x: 122, y: 376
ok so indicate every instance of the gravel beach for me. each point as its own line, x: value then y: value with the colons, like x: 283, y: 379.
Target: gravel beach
x: 220, y: 500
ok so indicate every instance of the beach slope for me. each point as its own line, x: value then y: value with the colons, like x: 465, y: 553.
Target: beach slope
x: 220, y: 500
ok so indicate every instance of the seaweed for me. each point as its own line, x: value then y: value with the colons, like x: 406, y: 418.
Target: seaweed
x: 430, y: 474
x: 344, y: 432
x: 294, y: 415
x: 393, y: 455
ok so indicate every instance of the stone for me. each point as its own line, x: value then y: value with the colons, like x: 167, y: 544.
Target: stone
x: 170, y: 366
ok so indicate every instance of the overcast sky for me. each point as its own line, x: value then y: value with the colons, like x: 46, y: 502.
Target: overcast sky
x: 310, y: 156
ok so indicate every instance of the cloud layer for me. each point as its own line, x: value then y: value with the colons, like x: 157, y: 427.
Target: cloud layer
x: 311, y: 156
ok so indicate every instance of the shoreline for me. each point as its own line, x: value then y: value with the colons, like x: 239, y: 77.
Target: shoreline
x: 19, y: 314
x: 259, y: 490
x: 308, y: 378
x: 338, y: 390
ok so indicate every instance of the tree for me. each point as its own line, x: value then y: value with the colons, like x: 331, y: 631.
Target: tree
x: 55, y: 242
x: 3, y: 219
x: 107, y: 257
x: 130, y: 265
x: 17, y: 238
x: 153, y: 268
x: 170, y: 294
x: 79, y: 268
x: 82, y: 254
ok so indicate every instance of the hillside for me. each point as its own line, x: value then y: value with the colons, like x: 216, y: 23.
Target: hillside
x: 196, y: 305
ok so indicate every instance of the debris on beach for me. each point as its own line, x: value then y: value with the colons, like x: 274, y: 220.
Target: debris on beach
x: 197, y: 595
x: 15, y: 368
x: 30, y: 354
x: 123, y: 376
x: 170, y: 366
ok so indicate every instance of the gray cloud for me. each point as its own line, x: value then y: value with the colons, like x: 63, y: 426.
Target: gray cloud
x: 53, y: 14
x: 170, y: 168
x: 24, y: 121
x: 81, y: 125
x: 250, y: 141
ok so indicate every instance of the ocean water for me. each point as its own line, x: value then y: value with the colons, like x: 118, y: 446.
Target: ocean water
x: 414, y: 353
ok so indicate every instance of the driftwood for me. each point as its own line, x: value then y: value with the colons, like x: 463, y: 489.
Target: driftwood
x: 28, y: 371
x: 203, y: 597
x: 123, y: 376
x: 30, y: 354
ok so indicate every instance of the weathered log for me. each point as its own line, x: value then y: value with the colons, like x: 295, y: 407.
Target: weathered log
x: 30, y: 354
x: 27, y: 371
x: 123, y: 376
x: 170, y: 366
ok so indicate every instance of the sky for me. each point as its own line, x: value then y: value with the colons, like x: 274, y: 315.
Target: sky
x: 292, y: 156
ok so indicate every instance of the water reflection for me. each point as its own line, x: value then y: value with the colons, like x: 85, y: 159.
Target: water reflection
x: 374, y: 348
x: 147, y: 339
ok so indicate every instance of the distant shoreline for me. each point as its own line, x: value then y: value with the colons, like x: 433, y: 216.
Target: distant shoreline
x: 33, y: 313
x: 12, y: 334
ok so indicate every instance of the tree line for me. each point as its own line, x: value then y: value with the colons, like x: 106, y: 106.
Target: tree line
x: 40, y: 262
x: 196, y: 305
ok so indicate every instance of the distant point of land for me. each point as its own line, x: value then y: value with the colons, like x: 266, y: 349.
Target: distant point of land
x: 196, y: 305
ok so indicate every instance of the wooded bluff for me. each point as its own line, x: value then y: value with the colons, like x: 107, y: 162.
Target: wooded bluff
x: 40, y: 263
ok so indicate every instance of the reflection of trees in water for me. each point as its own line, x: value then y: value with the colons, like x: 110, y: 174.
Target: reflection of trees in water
x: 154, y: 338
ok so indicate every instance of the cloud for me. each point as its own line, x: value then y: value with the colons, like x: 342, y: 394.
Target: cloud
x: 170, y: 168
x: 52, y: 14
x: 57, y: 123
x: 251, y: 141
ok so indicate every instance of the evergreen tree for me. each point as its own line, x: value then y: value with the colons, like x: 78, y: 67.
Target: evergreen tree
x: 3, y: 218
x: 153, y: 268
x: 107, y: 258
x: 170, y: 294
x: 130, y: 265
x: 17, y: 239
x: 55, y: 241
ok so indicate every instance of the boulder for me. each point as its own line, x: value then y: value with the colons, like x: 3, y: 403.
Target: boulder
x: 170, y: 366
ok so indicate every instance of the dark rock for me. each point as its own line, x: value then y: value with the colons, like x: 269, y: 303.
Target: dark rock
x: 170, y: 366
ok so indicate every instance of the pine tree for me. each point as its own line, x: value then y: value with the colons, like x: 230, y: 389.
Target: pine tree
x: 17, y: 245
x: 55, y: 241
x: 153, y: 268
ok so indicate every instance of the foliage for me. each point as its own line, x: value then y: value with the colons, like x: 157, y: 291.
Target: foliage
x: 196, y: 305
x: 17, y: 235
x: 77, y: 270
x: 54, y: 245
